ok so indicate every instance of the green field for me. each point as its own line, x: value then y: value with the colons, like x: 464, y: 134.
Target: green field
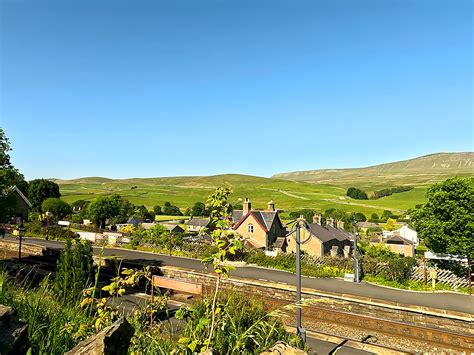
x: 185, y: 191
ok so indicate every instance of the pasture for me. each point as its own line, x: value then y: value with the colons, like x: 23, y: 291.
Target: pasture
x: 185, y: 191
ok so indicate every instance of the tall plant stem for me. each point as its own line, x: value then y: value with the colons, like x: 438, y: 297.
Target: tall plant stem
x: 213, y: 310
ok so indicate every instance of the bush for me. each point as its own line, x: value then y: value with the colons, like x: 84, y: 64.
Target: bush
x: 74, y: 271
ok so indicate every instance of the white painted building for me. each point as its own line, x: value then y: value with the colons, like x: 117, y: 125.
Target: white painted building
x: 404, y: 232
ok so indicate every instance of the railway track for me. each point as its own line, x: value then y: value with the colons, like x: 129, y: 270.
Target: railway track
x: 442, y: 339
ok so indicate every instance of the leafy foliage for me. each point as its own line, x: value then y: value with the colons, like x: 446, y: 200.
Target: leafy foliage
x: 390, y: 191
x: 171, y: 210
x: 199, y: 209
x: 57, y: 207
x: 446, y: 221
x: 73, y: 271
x: 356, y: 193
x: 40, y: 190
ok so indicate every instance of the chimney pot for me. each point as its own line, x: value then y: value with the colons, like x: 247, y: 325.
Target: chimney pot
x: 317, y: 219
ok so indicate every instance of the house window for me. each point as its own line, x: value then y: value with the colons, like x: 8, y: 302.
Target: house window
x: 250, y: 228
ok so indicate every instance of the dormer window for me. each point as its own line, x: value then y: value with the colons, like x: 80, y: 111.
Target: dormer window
x: 250, y: 228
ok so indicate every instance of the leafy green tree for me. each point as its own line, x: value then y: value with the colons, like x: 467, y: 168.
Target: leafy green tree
x: 171, y: 210
x: 446, y: 221
x: 199, y: 209
x: 356, y: 193
x: 41, y: 189
x: 157, y: 210
x: 80, y: 205
x: 360, y: 217
x: 226, y: 241
x: 9, y: 176
x: 103, y: 208
x: 57, y: 207
x: 374, y: 217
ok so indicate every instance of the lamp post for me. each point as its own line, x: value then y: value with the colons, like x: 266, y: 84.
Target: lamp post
x: 356, y: 252
x: 300, y: 223
x: 21, y: 233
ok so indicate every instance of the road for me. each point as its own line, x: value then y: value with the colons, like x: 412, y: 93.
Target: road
x: 444, y: 301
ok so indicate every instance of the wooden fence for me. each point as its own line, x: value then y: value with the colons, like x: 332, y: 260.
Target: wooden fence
x: 444, y: 276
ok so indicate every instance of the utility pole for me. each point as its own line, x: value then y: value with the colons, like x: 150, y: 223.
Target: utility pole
x: 356, y: 252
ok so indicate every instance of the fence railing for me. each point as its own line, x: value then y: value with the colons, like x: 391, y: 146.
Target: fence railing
x: 444, y: 276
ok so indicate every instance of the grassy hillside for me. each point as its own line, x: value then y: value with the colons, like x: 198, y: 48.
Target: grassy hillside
x: 185, y: 191
x: 424, y: 170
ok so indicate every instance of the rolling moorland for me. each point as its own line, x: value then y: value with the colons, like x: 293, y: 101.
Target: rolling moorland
x: 318, y: 189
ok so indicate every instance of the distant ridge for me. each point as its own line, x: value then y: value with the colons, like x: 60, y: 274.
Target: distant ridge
x: 419, y: 171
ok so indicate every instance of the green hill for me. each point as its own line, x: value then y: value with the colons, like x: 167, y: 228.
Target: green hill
x: 320, y: 189
x: 424, y: 170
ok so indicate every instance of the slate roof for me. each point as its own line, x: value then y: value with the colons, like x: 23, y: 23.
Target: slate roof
x: 198, y: 222
x: 237, y: 215
x: 22, y: 196
x: 397, y: 238
x: 327, y: 233
x: 171, y: 226
x: 265, y: 218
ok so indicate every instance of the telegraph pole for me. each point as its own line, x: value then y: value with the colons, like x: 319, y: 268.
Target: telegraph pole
x: 356, y: 252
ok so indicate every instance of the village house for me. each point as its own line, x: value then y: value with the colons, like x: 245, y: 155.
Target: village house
x: 195, y: 225
x: 173, y: 228
x: 405, y: 232
x: 21, y: 205
x: 330, y: 239
x: 260, y: 229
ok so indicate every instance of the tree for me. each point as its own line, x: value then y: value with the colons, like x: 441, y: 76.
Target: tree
x: 57, y: 207
x: 225, y: 240
x: 157, y: 210
x: 446, y: 221
x: 9, y: 176
x: 360, y: 217
x: 199, y: 209
x: 390, y: 226
x: 171, y: 210
x: 103, y: 208
x: 356, y: 193
x: 41, y: 189
x: 374, y: 217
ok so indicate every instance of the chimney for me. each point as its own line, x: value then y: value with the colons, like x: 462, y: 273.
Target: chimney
x: 317, y: 219
x: 330, y: 222
x: 340, y: 224
x: 271, y: 206
x: 247, y: 206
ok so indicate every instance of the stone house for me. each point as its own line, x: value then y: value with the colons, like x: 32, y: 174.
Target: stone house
x: 260, y: 229
x: 330, y: 239
x: 400, y: 245
x: 195, y: 225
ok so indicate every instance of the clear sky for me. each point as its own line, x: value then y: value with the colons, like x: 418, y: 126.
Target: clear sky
x: 165, y: 88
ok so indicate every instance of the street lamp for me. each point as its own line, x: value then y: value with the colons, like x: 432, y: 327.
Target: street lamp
x: 300, y: 223
x: 21, y: 233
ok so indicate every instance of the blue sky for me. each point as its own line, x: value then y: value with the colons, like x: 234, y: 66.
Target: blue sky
x: 165, y: 88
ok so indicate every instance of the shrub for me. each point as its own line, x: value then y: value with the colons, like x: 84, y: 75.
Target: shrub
x: 73, y: 271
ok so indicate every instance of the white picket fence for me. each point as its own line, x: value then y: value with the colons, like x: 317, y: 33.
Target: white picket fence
x: 444, y: 276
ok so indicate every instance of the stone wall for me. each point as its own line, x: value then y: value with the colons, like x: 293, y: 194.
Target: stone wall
x: 26, y: 248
